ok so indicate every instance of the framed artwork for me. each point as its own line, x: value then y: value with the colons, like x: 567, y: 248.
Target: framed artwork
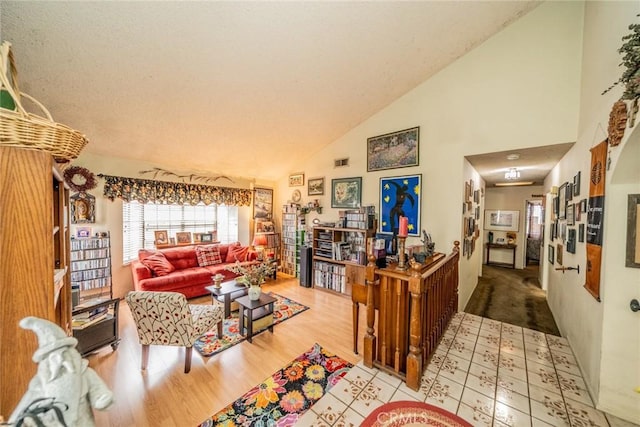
x: 467, y: 191
x: 563, y: 231
x: 550, y: 255
x: 346, y: 192
x: 83, y: 208
x: 571, y: 240
x: 581, y: 233
x: 559, y: 254
x: 393, y: 150
x: 583, y: 205
x: 262, y: 203
x: 501, y: 220
x: 296, y: 180
x: 576, y: 184
x: 265, y: 227
x: 632, y: 258
x: 206, y: 237
x: 571, y: 214
x: 569, y: 189
x: 183, y: 237
x: 162, y: 237
x: 556, y: 206
x: 400, y: 196
x: 562, y: 201
x: 315, y: 186
x: 83, y: 232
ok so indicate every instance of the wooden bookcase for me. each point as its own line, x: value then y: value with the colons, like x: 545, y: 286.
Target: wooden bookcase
x: 34, y: 262
x: 339, y: 257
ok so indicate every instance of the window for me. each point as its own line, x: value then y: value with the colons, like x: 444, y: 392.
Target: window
x: 139, y: 221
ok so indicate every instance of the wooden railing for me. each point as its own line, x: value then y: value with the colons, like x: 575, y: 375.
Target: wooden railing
x: 414, y: 309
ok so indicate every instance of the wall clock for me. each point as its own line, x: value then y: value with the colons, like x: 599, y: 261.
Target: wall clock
x: 296, y: 196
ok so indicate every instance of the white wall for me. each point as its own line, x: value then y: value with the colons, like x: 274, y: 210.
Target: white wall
x: 605, y: 336
x: 510, y: 199
x: 519, y: 89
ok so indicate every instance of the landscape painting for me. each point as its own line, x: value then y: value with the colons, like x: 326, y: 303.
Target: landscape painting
x: 393, y: 150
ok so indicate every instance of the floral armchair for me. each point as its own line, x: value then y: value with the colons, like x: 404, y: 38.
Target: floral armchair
x: 165, y: 318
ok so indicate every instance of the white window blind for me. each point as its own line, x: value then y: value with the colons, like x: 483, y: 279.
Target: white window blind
x: 140, y: 221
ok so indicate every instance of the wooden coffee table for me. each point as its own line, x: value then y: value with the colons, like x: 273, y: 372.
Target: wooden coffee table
x: 252, y: 311
x: 227, y: 292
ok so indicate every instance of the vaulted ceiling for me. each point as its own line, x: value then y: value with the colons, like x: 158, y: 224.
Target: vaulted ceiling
x: 235, y: 88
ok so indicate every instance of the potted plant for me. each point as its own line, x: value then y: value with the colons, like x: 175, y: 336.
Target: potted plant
x: 252, y: 276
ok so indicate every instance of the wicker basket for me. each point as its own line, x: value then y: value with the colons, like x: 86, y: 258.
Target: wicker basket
x: 22, y: 129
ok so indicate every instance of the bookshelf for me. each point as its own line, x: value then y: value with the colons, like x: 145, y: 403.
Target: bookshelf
x: 293, y: 237
x: 90, y: 268
x: 95, y: 312
x: 340, y: 253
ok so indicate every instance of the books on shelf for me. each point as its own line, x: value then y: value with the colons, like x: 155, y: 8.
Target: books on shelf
x: 90, y: 317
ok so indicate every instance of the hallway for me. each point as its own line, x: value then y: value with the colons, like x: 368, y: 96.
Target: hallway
x: 514, y: 297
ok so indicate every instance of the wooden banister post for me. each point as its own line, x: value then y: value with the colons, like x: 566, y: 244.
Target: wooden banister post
x: 416, y: 344
x: 370, y: 338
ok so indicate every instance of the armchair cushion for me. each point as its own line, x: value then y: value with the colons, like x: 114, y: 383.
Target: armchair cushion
x: 208, y: 255
x: 159, y: 264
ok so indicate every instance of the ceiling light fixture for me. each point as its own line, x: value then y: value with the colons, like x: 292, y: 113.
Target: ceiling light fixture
x: 513, y: 184
x: 512, y: 173
x: 514, y: 156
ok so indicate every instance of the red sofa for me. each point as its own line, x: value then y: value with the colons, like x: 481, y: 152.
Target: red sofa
x: 188, y: 277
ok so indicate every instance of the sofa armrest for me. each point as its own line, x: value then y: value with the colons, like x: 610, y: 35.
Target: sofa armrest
x: 139, y: 271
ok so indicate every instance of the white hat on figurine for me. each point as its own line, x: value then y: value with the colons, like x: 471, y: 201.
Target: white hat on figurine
x: 50, y: 336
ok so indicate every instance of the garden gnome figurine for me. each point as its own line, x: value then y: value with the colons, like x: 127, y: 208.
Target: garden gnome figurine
x: 63, y: 379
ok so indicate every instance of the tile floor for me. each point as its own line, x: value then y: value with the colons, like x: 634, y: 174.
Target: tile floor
x: 489, y: 373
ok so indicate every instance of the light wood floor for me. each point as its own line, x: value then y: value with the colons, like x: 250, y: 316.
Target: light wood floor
x: 165, y: 396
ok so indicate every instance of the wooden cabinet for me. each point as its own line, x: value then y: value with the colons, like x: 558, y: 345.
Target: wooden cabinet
x: 339, y: 257
x: 98, y: 332
x: 34, y: 256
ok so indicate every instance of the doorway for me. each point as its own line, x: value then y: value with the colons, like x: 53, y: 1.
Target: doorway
x: 534, y: 226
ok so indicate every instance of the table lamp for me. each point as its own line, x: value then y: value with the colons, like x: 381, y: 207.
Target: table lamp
x: 259, y: 243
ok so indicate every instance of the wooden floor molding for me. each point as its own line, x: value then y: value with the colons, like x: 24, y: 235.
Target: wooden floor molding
x: 165, y: 396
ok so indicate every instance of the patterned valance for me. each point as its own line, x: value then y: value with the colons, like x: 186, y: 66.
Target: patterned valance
x: 177, y: 193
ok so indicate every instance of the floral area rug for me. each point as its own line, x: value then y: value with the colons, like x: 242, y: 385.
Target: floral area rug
x: 283, y: 397
x: 209, y: 344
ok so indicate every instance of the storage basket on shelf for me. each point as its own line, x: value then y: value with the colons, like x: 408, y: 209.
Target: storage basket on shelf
x: 21, y: 129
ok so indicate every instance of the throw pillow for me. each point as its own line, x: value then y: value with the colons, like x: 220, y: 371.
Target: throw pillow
x: 159, y: 264
x: 237, y: 253
x: 208, y: 255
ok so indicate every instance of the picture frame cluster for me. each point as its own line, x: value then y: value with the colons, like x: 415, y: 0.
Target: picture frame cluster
x: 470, y: 217
x: 568, y: 218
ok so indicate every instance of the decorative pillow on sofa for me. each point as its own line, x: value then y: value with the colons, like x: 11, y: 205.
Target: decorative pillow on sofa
x: 208, y: 255
x: 237, y: 253
x: 159, y: 264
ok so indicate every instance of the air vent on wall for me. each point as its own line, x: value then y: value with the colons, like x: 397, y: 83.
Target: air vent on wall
x: 338, y: 163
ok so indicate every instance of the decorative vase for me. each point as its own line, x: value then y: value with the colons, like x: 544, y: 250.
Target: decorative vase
x: 254, y: 292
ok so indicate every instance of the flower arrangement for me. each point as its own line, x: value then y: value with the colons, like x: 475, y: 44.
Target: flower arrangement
x: 253, y: 274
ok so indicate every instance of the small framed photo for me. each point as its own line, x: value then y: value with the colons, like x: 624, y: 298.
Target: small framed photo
x: 569, y: 189
x: 576, y: 184
x: 206, y: 237
x: 183, y: 237
x: 162, y: 237
x: 571, y: 214
x: 296, y: 180
x: 551, y: 254
x: 562, y: 201
x: 581, y: 233
x: 264, y: 227
x: 559, y: 254
x: 315, y: 186
x: 83, y: 232
x: 346, y: 192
